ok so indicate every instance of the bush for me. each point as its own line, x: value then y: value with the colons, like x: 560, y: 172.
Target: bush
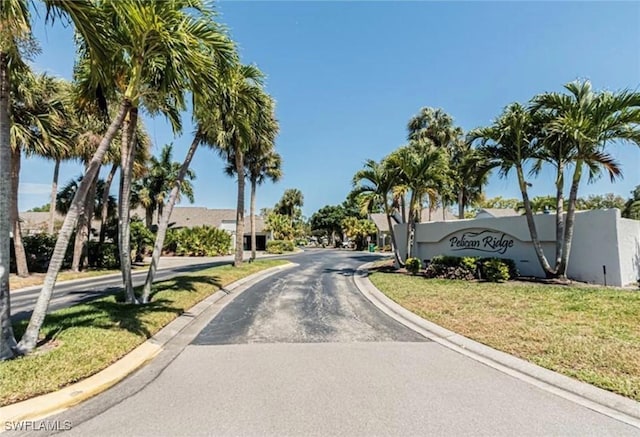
x: 454, y: 267
x: 413, y: 265
x: 142, y: 239
x: 103, y: 256
x: 198, y: 241
x: 39, y: 248
x: 495, y: 270
x: 280, y: 246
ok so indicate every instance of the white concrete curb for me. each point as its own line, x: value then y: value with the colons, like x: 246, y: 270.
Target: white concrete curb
x: 619, y: 407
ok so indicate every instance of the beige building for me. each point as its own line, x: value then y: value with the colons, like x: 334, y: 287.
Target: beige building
x: 383, y: 237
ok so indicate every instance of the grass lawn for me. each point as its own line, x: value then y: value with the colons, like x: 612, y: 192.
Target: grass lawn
x: 84, y: 339
x: 589, y: 333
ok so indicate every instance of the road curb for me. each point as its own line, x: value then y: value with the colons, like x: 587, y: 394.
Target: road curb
x: 48, y: 404
x: 619, y: 407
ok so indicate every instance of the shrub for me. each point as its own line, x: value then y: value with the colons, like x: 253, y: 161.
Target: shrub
x: 511, y: 266
x: 495, y: 270
x: 141, y: 239
x: 279, y: 246
x: 413, y: 265
x: 39, y: 248
x: 198, y: 241
x: 103, y: 256
x: 452, y: 267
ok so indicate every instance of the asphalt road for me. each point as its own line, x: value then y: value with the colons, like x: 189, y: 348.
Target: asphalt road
x: 302, y: 353
x: 70, y: 293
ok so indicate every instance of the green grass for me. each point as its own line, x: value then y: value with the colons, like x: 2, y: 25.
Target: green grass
x: 589, y: 333
x: 84, y: 339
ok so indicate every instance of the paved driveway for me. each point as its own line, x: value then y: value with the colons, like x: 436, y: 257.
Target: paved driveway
x: 302, y: 353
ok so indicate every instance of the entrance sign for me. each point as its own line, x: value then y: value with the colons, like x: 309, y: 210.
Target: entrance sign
x: 483, y: 241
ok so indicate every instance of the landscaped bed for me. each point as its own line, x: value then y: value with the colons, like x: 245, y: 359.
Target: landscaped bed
x: 589, y: 333
x: 86, y: 338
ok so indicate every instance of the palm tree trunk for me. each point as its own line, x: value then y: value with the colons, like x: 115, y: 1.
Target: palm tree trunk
x: 81, y: 229
x: 237, y: 261
x: 148, y: 217
x: 54, y: 197
x: 21, y: 256
x: 410, y: 225
x: 30, y: 337
x: 461, y: 204
x: 252, y: 211
x: 561, y: 271
x: 124, y: 200
x: 7, y: 339
x: 559, y: 213
x: 105, y: 202
x: 396, y: 253
x: 163, y: 221
x: 548, y: 271
x: 89, y: 213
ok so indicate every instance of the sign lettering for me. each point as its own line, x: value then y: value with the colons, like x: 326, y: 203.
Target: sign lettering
x: 484, y: 241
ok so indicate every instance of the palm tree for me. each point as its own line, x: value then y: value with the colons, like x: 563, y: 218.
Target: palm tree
x: 510, y: 143
x: 208, y: 132
x: 422, y: 168
x: 153, y: 189
x: 374, y: 185
x: 14, y: 27
x: 261, y: 161
x: 170, y: 61
x: 289, y: 204
x: 240, y: 104
x: 576, y: 128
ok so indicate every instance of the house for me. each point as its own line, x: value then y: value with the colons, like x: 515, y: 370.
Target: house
x: 225, y: 219
x: 427, y: 215
x: 181, y: 217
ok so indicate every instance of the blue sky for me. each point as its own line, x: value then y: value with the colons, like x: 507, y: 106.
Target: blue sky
x: 347, y: 76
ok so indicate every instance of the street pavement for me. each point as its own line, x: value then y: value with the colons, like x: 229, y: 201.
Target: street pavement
x: 73, y: 292
x: 304, y: 353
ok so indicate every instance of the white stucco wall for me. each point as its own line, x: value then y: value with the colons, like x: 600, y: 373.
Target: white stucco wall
x: 601, y: 238
x: 629, y: 239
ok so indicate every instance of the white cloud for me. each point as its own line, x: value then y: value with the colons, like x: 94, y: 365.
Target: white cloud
x: 29, y: 188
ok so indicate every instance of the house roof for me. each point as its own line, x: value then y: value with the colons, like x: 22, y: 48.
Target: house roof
x: 380, y: 219
x: 497, y: 212
x: 191, y: 216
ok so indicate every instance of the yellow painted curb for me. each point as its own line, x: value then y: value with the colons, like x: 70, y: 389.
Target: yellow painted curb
x: 56, y: 402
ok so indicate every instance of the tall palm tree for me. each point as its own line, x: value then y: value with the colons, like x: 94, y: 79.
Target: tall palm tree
x: 374, y: 185
x: 169, y: 62
x: 241, y: 102
x: 422, y: 168
x: 510, y: 143
x: 14, y: 27
x: 208, y: 132
x: 577, y: 126
x: 261, y: 161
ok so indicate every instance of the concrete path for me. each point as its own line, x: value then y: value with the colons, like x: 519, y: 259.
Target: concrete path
x: 304, y: 353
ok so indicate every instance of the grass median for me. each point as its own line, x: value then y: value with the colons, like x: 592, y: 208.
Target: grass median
x: 589, y: 333
x: 84, y: 339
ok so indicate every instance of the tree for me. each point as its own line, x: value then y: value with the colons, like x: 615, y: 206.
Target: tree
x: 422, y: 169
x: 290, y: 203
x: 374, y: 185
x: 584, y: 122
x: 153, y: 190
x: 498, y: 202
x: 14, y: 28
x: 540, y: 204
x: 598, y: 201
x: 632, y: 206
x: 510, y: 143
x: 280, y: 226
x: 329, y: 220
x: 358, y: 230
